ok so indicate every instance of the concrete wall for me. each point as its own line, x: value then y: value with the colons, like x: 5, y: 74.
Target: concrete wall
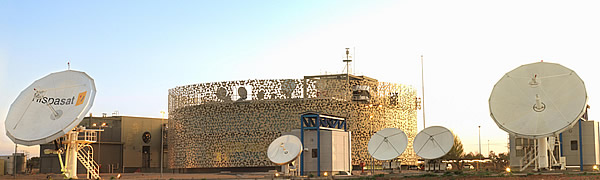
x: 133, y: 130
x: 108, y: 150
x: 49, y: 162
x: 120, y: 144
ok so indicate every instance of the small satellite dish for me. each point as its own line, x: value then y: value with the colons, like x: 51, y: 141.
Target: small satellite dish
x: 50, y: 107
x: 284, y: 149
x: 538, y: 100
x: 433, y: 142
x: 387, y: 144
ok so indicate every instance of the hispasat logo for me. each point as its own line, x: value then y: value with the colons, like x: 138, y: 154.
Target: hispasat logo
x: 39, y: 98
x: 55, y: 100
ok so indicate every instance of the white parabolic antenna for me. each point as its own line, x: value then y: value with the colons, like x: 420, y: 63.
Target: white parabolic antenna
x: 387, y: 144
x: 538, y: 100
x: 433, y: 142
x: 284, y: 149
x: 50, y: 107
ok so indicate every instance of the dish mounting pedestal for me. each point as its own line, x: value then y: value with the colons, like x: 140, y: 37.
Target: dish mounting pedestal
x: 78, y: 147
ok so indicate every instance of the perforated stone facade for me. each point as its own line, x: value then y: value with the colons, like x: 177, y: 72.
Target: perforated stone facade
x: 231, y: 124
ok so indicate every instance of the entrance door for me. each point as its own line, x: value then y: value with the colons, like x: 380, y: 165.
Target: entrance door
x: 146, y: 156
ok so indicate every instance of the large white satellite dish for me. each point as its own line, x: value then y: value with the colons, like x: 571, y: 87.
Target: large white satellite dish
x: 387, y: 144
x: 50, y: 107
x: 284, y: 149
x: 433, y: 142
x: 538, y: 100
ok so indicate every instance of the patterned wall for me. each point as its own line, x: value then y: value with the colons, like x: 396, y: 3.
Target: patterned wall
x: 231, y: 124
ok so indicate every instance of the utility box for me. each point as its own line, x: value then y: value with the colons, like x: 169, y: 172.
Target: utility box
x: 326, y: 143
x: 335, y: 151
x: 2, y: 171
x: 590, y: 144
x: 8, y: 163
x: 435, y: 165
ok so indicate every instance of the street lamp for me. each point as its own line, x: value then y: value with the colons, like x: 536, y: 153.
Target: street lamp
x: 102, y: 126
x: 480, y: 140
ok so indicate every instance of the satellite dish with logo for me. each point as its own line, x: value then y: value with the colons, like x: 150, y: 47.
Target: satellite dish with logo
x: 50, y: 107
x: 433, y: 142
x: 387, y: 144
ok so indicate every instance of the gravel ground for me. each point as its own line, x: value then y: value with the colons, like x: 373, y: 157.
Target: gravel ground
x: 379, y: 176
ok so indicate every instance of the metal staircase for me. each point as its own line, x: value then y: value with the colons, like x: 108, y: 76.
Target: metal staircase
x: 77, y: 142
x: 85, y: 156
x: 532, y: 156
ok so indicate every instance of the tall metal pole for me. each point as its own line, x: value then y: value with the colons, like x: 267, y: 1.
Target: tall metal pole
x: 162, y: 137
x: 347, y: 65
x: 347, y: 61
x: 99, y: 152
x: 479, y: 140
x: 580, y: 147
x: 423, y: 91
x: 15, y: 162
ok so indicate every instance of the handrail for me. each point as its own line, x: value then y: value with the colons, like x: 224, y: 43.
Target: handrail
x: 529, y: 157
x: 86, y: 159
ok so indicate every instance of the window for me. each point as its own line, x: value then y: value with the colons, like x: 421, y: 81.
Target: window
x: 314, y: 153
x: 520, y: 152
x: 573, y: 145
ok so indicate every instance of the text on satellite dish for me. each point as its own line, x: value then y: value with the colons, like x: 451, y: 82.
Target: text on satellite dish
x: 61, y: 101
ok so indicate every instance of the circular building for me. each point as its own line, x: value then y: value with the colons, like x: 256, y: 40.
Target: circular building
x: 230, y: 124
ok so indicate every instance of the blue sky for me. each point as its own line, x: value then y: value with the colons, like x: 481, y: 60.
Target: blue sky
x: 137, y: 50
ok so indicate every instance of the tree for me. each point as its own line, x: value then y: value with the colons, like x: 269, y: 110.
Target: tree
x: 479, y: 156
x: 499, y: 161
x: 456, y: 154
x: 469, y: 156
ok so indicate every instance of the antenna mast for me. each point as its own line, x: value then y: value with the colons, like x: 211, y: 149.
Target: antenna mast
x: 347, y: 61
x: 423, y: 89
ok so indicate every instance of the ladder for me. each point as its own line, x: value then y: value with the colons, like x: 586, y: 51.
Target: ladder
x: 86, y: 158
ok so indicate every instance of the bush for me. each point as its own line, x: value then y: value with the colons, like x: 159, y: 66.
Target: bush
x: 484, y: 173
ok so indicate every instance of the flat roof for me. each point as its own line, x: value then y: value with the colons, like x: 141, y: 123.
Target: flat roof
x: 341, y: 76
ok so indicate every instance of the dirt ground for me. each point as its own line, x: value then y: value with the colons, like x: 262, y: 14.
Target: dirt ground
x: 406, y: 174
